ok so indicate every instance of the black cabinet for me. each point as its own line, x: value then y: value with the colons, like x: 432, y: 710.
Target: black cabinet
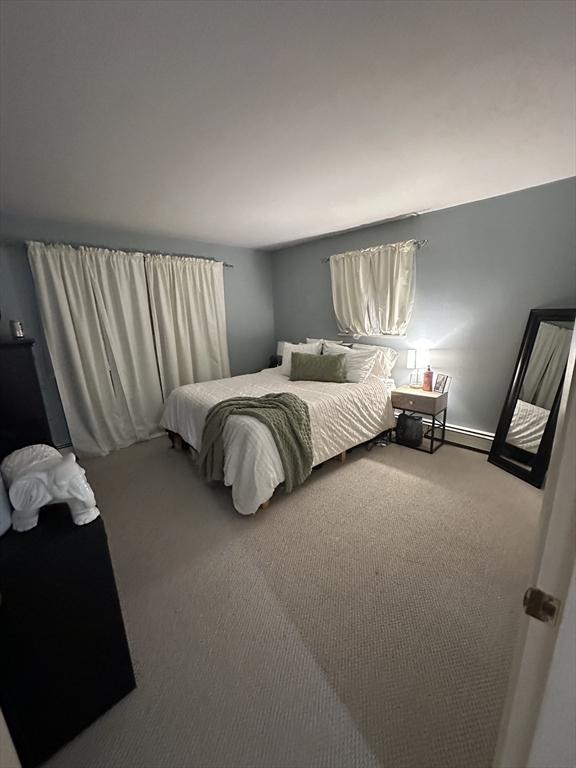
x: 64, y: 657
x: 23, y: 419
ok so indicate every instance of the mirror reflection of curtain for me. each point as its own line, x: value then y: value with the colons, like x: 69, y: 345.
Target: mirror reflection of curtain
x: 547, y: 365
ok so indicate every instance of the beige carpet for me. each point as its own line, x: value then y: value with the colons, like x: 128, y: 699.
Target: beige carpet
x: 366, y: 620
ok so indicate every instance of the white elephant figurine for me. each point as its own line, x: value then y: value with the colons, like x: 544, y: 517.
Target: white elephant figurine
x: 38, y: 475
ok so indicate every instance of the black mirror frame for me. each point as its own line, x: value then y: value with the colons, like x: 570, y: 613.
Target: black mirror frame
x: 536, y: 473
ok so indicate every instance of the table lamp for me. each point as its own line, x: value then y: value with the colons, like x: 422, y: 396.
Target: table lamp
x: 418, y: 360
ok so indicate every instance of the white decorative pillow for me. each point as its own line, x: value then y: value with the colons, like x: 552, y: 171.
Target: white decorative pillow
x: 312, y: 349
x: 359, y: 363
x: 385, y: 360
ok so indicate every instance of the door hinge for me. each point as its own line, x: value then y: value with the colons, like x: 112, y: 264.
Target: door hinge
x: 540, y: 605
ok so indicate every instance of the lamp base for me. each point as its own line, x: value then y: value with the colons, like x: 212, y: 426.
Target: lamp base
x: 415, y: 380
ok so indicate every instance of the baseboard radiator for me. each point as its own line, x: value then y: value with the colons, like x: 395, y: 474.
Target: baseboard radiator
x: 464, y: 437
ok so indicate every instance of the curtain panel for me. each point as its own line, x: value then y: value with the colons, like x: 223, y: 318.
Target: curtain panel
x: 373, y: 289
x: 189, y: 317
x: 94, y: 308
x: 123, y: 329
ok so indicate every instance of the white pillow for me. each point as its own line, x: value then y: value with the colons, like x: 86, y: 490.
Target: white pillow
x: 312, y: 349
x: 359, y: 363
x: 385, y: 360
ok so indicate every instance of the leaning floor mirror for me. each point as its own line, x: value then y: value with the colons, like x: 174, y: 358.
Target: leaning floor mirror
x: 525, y: 433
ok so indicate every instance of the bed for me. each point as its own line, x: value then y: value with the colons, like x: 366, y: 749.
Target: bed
x: 527, y: 426
x: 341, y: 416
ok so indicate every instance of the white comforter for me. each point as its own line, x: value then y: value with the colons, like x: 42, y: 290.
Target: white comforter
x: 341, y: 416
x: 527, y: 426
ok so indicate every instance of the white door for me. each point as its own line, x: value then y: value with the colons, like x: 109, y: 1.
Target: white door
x: 538, y: 723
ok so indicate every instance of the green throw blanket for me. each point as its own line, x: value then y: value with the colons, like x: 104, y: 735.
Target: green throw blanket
x: 286, y: 416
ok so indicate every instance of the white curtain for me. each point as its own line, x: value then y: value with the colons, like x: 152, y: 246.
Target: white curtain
x: 96, y: 317
x: 373, y: 289
x: 547, y: 365
x: 189, y: 317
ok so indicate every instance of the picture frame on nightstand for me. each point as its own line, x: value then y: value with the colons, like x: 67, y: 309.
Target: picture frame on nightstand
x: 442, y: 383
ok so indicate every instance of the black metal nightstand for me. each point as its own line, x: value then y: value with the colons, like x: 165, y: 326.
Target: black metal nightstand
x: 432, y: 404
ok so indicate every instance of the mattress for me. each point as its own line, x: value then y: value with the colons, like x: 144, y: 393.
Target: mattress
x: 341, y: 416
x: 527, y: 426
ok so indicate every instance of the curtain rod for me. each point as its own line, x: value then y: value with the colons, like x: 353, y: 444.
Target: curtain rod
x: 418, y: 243
x: 8, y: 241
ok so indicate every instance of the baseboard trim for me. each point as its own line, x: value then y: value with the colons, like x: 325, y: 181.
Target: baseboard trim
x: 464, y: 437
x: 472, y: 439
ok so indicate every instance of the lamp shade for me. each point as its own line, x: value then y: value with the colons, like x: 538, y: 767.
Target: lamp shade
x: 422, y: 357
x: 418, y: 358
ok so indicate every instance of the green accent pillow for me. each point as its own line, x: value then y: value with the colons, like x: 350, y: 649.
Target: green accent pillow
x: 306, y: 367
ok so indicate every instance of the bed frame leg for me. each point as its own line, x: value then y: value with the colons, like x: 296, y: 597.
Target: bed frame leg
x: 265, y: 504
x: 343, y: 457
x: 177, y: 442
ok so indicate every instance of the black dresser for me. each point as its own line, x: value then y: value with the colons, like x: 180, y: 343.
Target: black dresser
x: 23, y: 419
x: 64, y: 658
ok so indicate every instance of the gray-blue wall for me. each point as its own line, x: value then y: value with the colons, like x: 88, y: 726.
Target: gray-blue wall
x: 248, y: 289
x: 487, y: 264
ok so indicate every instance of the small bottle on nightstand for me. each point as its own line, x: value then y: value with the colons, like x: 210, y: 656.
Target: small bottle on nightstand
x: 427, y: 380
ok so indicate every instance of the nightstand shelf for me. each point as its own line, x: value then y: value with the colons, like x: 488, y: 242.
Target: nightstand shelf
x: 433, y: 405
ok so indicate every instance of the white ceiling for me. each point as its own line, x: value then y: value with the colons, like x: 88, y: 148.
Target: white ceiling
x: 257, y: 123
